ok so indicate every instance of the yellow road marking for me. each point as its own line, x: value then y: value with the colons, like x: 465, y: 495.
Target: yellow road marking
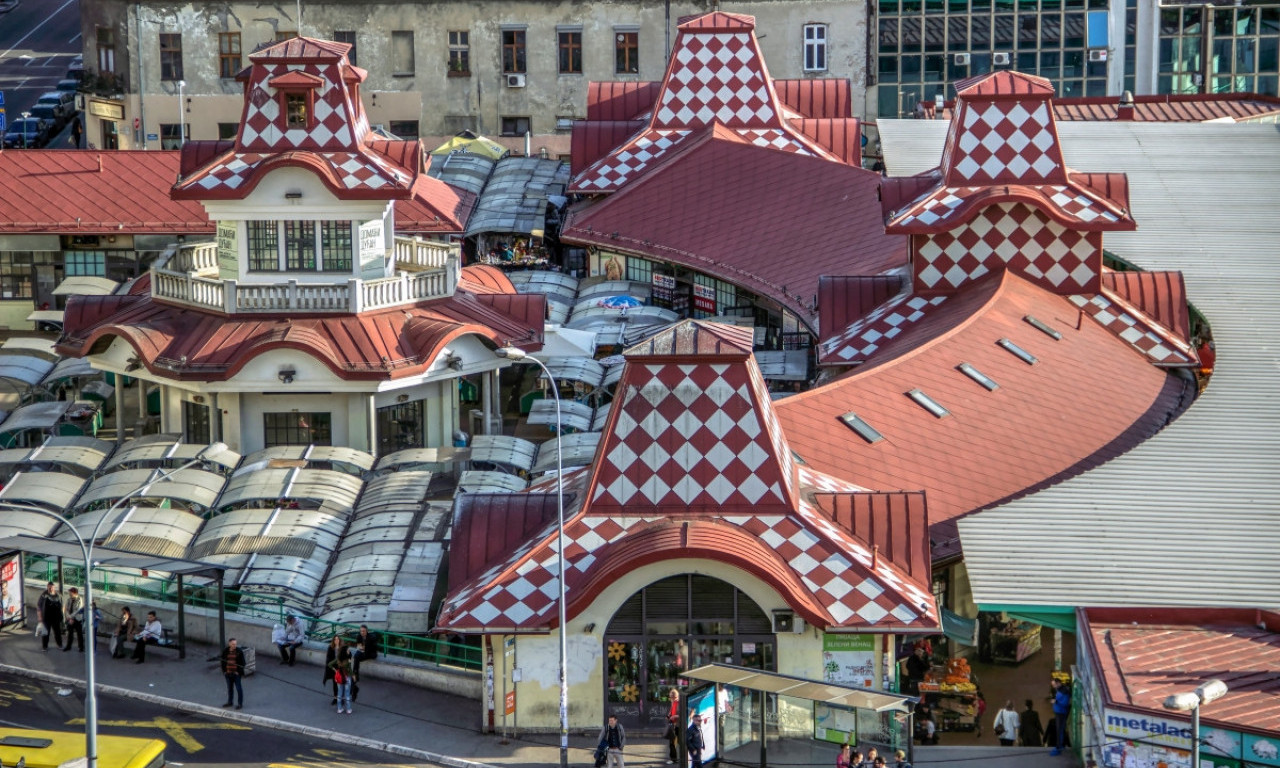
x: 8, y: 696
x: 172, y: 728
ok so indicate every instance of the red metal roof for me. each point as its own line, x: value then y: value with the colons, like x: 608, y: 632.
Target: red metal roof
x: 482, y: 278
x: 435, y: 208
x: 1005, y: 82
x: 1182, y: 108
x: 72, y: 192
x: 187, y: 343
x: 1161, y: 296
x: 983, y: 452
x: 1147, y: 655
x: 896, y: 524
x: 817, y: 97
x: 844, y: 300
x: 842, y: 136
x: 614, y: 100
x: 593, y: 139
x: 718, y: 207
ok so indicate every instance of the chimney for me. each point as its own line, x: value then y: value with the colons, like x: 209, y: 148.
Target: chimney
x: 1125, y: 111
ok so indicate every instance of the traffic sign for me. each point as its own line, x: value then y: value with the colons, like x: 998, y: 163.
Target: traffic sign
x: 3, y: 125
x: 1, y: 98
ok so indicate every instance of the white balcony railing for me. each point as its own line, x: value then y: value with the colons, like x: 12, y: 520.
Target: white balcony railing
x: 425, y: 270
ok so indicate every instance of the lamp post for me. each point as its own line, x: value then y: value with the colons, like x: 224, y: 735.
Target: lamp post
x: 517, y: 354
x: 182, y: 114
x: 86, y: 549
x: 25, y: 116
x: 1208, y: 691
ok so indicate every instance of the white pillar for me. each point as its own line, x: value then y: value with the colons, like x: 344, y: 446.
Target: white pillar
x: 486, y: 399
x: 215, y: 419
x: 142, y: 400
x: 119, y: 408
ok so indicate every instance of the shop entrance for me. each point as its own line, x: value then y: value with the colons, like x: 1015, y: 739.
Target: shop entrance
x: 669, y: 627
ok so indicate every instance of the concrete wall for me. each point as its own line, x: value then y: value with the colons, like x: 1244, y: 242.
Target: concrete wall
x: 443, y: 105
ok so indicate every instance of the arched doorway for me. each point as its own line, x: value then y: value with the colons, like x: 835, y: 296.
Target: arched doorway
x: 673, y: 625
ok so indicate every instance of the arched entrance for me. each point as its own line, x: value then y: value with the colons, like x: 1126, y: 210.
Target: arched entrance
x: 673, y: 625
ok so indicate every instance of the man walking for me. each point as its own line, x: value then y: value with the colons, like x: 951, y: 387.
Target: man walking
x: 73, y: 613
x: 693, y: 739
x: 49, y: 613
x: 614, y: 740
x: 233, y: 671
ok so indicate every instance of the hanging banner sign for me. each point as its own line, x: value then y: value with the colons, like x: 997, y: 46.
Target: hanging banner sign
x: 704, y: 298
x: 664, y: 281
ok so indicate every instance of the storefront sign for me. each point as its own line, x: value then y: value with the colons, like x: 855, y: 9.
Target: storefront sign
x: 1153, y: 730
x: 849, y: 659
x: 704, y: 298
x: 664, y: 281
x: 509, y: 704
x: 372, y: 248
x: 10, y: 590
x: 228, y: 250
x: 1261, y: 749
x: 106, y: 109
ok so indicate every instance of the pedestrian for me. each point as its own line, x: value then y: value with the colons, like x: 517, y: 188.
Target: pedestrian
x: 1031, y: 733
x: 917, y: 665
x: 151, y: 632
x: 979, y: 709
x: 125, y: 630
x: 49, y: 614
x: 673, y: 727
x: 341, y: 665
x: 233, y: 671
x: 1006, y: 725
x: 76, y: 131
x: 290, y: 640
x: 872, y: 756
x: 95, y: 624
x: 73, y: 614
x: 330, y: 656
x: 355, y: 676
x: 613, y: 737
x: 900, y: 759
x: 693, y: 740
x: 845, y: 758
x: 1061, y: 708
x: 930, y: 730
x: 366, y: 648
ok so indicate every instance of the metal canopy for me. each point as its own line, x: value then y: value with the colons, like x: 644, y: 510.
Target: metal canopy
x: 35, y: 416
x: 579, y: 449
x: 474, y: 481
x: 422, y: 458
x: 503, y: 449
x: 86, y: 285
x: 27, y: 369
x: 55, y: 490
x: 105, y: 556
x: 29, y: 345
x: 164, y: 454
x: 573, y: 415
x: 801, y: 688
x: 338, y: 458
x: 583, y: 369
x: 71, y: 367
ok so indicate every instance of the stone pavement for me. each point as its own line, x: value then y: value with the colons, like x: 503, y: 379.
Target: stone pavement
x: 395, y: 717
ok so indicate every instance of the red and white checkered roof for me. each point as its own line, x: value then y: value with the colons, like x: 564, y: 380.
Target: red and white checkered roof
x: 1162, y: 346
x: 334, y: 142
x: 864, y: 337
x: 716, y: 75
x: 693, y: 442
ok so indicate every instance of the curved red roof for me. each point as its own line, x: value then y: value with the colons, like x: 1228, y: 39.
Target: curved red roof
x: 483, y: 278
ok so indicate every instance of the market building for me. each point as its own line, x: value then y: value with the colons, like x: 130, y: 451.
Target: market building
x: 696, y: 535
x: 308, y: 321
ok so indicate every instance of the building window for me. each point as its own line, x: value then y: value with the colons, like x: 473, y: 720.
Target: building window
x: 264, y: 250
x: 299, y: 246
x: 335, y: 246
x: 285, y: 34
x: 195, y: 423
x: 1219, y: 49
x: 16, y: 271
x: 295, y: 106
x: 459, y: 52
x: 513, y: 51
x: 82, y: 263
x: 400, y: 426
x: 626, y: 47
x: 348, y: 37
x: 515, y: 126
x: 228, y: 131
x: 228, y: 54
x: 405, y: 129
x: 106, y: 50
x: 170, y: 136
x: 639, y: 270
x: 815, y: 47
x: 294, y: 428
x: 571, y: 52
x: 170, y: 57
x: 402, y: 63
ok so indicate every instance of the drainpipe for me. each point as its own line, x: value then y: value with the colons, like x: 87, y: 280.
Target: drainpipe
x: 142, y: 93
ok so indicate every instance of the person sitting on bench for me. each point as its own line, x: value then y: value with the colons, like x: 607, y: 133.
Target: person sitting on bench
x: 151, y: 633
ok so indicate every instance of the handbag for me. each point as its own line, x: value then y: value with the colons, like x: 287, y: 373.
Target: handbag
x: 113, y: 644
x: 999, y: 729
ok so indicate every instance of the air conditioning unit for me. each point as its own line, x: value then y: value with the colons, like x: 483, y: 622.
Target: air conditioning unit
x: 1000, y: 59
x: 1098, y: 54
x: 962, y: 59
x: 515, y: 81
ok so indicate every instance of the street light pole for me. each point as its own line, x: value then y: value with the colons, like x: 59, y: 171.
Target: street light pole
x: 1211, y: 690
x: 25, y: 116
x: 86, y: 549
x: 516, y: 354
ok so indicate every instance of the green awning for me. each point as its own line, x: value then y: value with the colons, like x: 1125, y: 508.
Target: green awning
x: 958, y: 628
x: 1052, y: 616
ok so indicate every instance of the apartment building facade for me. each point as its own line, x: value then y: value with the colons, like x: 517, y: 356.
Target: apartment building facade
x: 501, y: 69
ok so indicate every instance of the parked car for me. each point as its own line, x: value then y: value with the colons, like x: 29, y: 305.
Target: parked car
x: 29, y: 132
x: 76, y: 70
x: 70, y: 85
x: 62, y: 102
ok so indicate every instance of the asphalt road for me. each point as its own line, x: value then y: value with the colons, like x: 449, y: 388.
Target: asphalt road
x: 194, y: 741
x: 38, y: 39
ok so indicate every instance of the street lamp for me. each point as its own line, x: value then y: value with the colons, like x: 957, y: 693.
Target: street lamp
x: 516, y: 354
x: 86, y: 549
x: 1208, y: 691
x: 25, y: 116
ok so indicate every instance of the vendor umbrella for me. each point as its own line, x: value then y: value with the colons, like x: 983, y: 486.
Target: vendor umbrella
x: 469, y: 143
x: 619, y: 302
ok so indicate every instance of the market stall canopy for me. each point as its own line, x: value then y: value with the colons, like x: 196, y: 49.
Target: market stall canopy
x: 47, y: 316
x: 166, y: 452
x: 323, y: 488
x: 422, y: 459
x: 515, y: 199
x: 468, y: 143
x: 189, y: 488
x: 85, y: 285
x: 579, y: 449
x: 31, y: 346
x: 559, y: 342
x: 464, y: 171
x: 21, y: 372
x: 111, y: 558
x: 476, y: 481
x: 53, y: 490
x: 334, y: 457
x: 503, y: 450
x: 42, y: 416
x: 69, y: 368
x: 76, y: 455
x: 801, y: 688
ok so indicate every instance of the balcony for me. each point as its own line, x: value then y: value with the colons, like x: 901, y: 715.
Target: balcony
x: 425, y: 270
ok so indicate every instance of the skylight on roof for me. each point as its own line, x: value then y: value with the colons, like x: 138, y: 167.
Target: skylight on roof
x: 864, y: 430
x: 978, y: 376
x: 928, y: 403
x: 1018, y: 352
x: 1043, y: 327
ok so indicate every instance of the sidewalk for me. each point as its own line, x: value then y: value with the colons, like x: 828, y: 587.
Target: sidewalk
x: 398, y: 718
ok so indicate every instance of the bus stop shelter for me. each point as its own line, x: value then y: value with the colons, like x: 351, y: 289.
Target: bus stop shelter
x: 748, y: 712
x: 106, y: 556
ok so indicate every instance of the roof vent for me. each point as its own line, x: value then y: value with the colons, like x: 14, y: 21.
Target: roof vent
x: 986, y: 381
x: 864, y: 430
x: 928, y: 403
x: 1018, y: 352
x: 1043, y: 327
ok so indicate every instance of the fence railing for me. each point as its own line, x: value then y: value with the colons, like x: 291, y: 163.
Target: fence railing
x: 114, y: 585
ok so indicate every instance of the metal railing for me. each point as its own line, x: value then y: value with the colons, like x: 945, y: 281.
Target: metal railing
x: 114, y: 585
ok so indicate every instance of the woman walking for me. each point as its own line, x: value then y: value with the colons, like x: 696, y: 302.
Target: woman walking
x: 673, y: 727
x: 1032, y: 732
x: 1006, y: 725
x: 330, y: 654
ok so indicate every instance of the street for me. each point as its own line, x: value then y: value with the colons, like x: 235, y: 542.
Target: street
x: 38, y: 40
x: 194, y: 741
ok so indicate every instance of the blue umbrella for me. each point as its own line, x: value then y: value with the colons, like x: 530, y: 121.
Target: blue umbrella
x: 620, y: 302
